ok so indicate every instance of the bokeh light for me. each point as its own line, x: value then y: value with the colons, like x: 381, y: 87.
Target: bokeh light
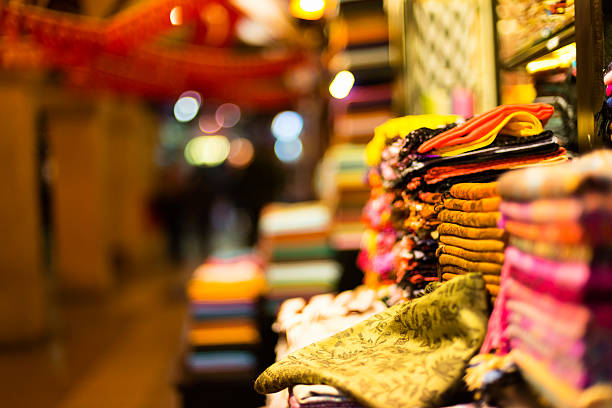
x: 312, y: 6
x: 342, y: 84
x: 186, y: 108
x: 307, y: 9
x: 252, y: 32
x: 208, y: 123
x: 287, y: 126
x: 241, y: 152
x: 227, y: 115
x: 288, y: 151
x: 176, y: 16
x: 207, y: 150
x: 193, y: 94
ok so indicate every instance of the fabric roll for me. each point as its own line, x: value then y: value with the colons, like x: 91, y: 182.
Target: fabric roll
x: 470, y: 219
x: 474, y: 191
x: 483, y: 205
x: 482, y: 267
x: 474, y: 256
x: 457, y: 312
x: 479, y: 245
x: 471, y: 232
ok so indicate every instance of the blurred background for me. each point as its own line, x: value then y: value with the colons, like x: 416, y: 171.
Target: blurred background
x: 141, y: 137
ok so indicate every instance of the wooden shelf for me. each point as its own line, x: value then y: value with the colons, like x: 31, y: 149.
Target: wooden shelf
x: 560, y: 39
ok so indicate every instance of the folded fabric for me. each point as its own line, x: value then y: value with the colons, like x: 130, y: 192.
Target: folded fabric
x: 489, y: 279
x: 559, y: 392
x: 491, y: 257
x: 470, y: 219
x: 474, y: 191
x: 471, y: 232
x: 402, y: 127
x: 453, y: 269
x: 553, y: 251
x: 221, y: 361
x: 524, y: 309
x: 482, y: 267
x: 483, y: 205
x: 429, y: 341
x: 437, y: 174
x: 569, y: 281
x: 479, y: 245
x: 515, y: 120
x: 239, y: 332
x: 556, y: 181
x: 294, y: 403
x: 309, y: 395
x: 543, y: 211
x: 563, y: 233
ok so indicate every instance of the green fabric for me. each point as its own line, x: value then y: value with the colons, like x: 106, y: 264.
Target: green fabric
x: 471, y: 232
x: 470, y: 219
x: 482, y: 205
x: 411, y: 355
x: 491, y: 257
x: 297, y: 253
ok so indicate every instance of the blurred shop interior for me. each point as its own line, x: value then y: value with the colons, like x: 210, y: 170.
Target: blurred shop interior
x: 193, y: 189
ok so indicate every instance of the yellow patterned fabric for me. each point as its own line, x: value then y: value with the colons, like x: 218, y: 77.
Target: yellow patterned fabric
x: 411, y: 355
x: 402, y: 127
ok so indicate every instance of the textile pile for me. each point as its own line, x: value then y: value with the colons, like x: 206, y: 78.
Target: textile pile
x: 420, y: 158
x: 470, y: 240
x: 553, y: 310
x: 398, y: 245
x: 223, y: 333
x: 300, y: 323
x: 392, y: 359
x: 295, y: 240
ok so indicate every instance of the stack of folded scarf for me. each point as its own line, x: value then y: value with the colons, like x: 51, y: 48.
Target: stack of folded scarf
x: 470, y: 240
x: 411, y: 354
x: 554, y: 305
x: 430, y: 162
x: 295, y: 240
x: 399, y: 224
x: 223, y: 332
